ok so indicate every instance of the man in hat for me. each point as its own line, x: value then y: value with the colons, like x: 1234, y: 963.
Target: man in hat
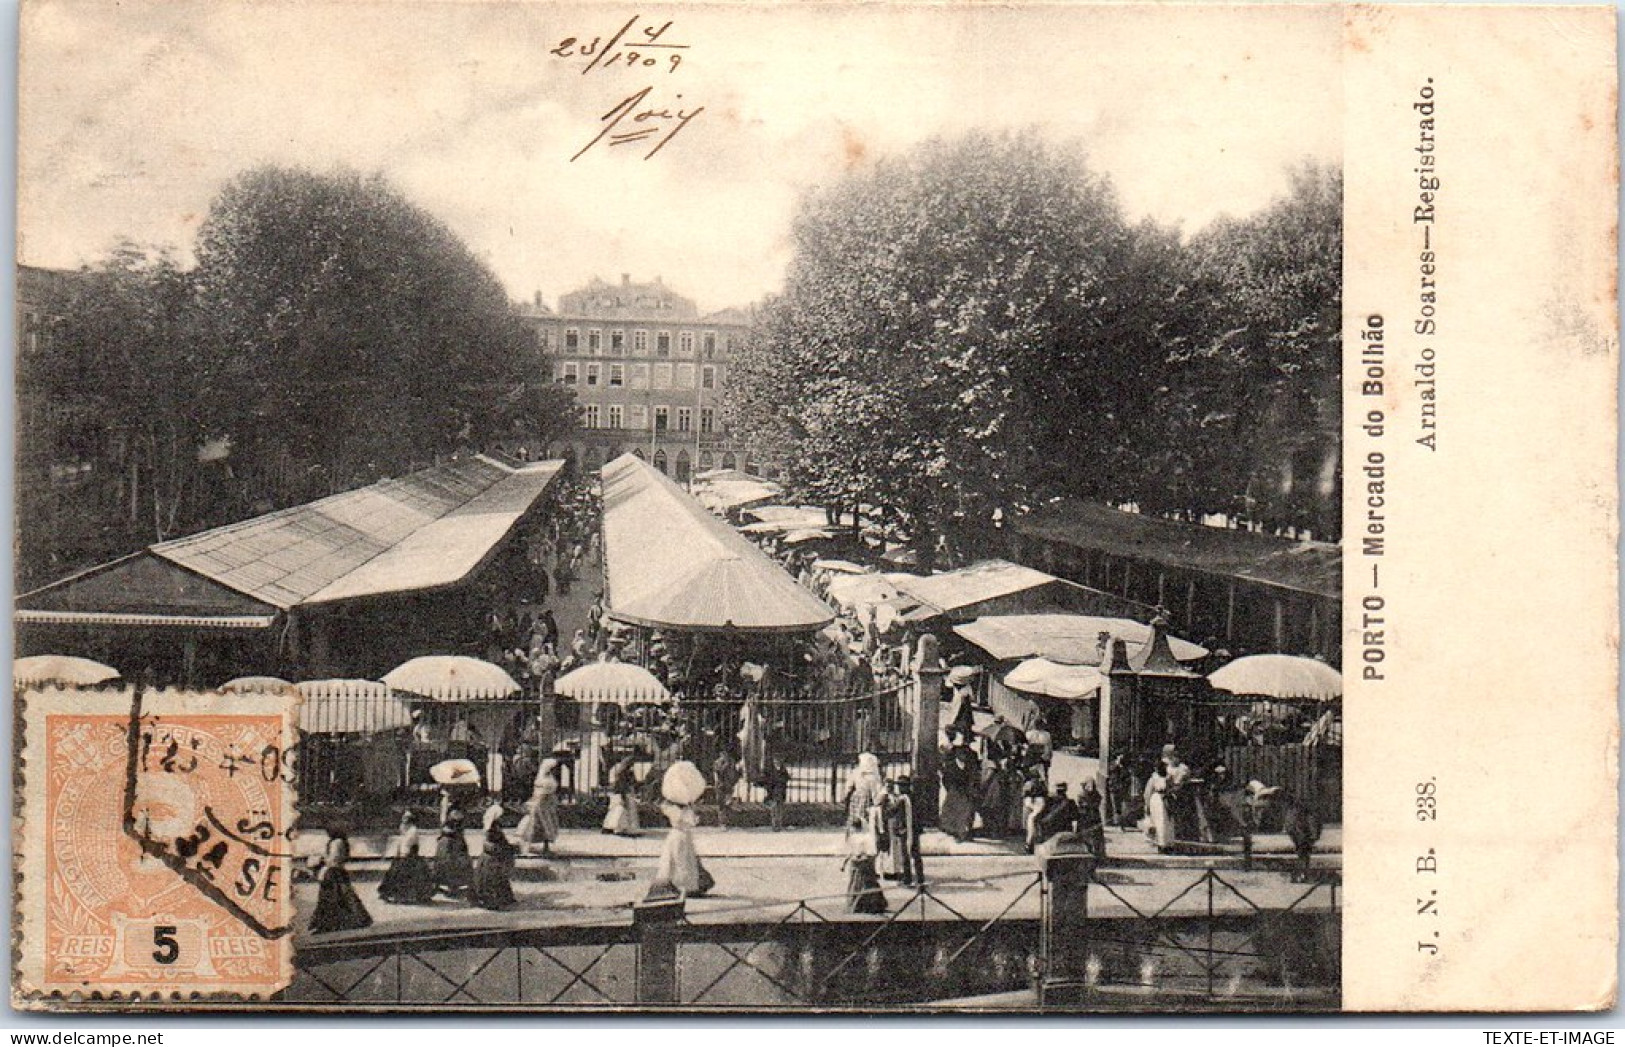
x: 1060, y: 815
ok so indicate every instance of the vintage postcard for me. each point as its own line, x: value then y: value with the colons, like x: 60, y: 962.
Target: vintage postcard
x: 1039, y: 507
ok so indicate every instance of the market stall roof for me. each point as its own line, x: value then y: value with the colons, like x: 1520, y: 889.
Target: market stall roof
x: 427, y: 530
x: 1309, y: 567
x: 1054, y: 680
x: 1283, y: 676
x: 1070, y: 638
x: 670, y: 564
x: 731, y: 489
x: 980, y: 582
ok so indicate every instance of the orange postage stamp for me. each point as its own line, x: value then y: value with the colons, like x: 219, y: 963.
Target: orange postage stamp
x: 154, y: 848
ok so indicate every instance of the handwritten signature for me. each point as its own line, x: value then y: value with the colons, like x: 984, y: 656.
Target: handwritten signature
x: 658, y: 124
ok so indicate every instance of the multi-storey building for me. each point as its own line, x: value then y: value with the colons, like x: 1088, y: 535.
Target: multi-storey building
x: 649, y: 372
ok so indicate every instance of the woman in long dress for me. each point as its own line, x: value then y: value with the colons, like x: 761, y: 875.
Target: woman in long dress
x: 622, y: 819
x: 540, y: 824
x: 453, y: 868
x: 960, y: 778
x: 864, y: 791
x: 493, y: 877
x: 679, y: 870
x: 1158, y: 826
x: 338, y: 907
x: 409, y: 880
x: 863, y: 891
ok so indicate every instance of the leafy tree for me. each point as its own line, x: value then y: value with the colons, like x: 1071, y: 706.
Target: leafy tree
x: 362, y: 335
x: 1253, y: 397
x: 942, y: 345
x: 127, y: 378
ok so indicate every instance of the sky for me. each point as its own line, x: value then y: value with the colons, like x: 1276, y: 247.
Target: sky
x: 133, y: 115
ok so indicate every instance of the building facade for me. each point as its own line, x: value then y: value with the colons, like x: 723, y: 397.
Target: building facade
x: 650, y: 374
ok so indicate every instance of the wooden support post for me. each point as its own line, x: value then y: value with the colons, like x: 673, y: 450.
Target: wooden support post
x: 656, y: 923
x: 928, y: 678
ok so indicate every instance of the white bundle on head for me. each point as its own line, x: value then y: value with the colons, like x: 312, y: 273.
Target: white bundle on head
x: 683, y: 783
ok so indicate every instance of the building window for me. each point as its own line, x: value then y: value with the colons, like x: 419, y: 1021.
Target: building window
x: 708, y: 377
x: 595, y: 342
x: 662, y: 418
x: 685, y: 343
x: 617, y: 343
x: 640, y: 343
x: 662, y: 376
x: 685, y: 376
x: 663, y: 344
x: 617, y: 375
x: 640, y: 376
x: 660, y: 460
x: 572, y: 338
x: 708, y: 344
x: 705, y: 460
x: 592, y: 374
x: 708, y: 420
x: 589, y: 416
x: 617, y: 416
x: 541, y: 338
x: 568, y: 372
x: 685, y: 419
x: 730, y: 343
x: 639, y: 415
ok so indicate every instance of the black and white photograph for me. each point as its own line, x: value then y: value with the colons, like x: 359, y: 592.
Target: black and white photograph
x: 756, y: 508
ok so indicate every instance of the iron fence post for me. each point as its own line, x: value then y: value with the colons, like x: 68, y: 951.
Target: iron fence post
x: 656, y: 924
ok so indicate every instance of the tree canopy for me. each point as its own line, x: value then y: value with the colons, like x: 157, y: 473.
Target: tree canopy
x: 974, y: 327
x: 331, y: 333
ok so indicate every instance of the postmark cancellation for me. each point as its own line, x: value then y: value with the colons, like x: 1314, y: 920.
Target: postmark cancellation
x: 153, y: 845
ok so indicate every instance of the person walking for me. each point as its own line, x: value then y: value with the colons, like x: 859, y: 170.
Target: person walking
x: 1158, y: 825
x: 724, y: 779
x: 902, y: 833
x: 453, y: 868
x: 622, y: 819
x: 1092, y: 818
x: 493, y: 876
x: 776, y: 786
x: 960, y: 777
x: 540, y: 825
x: 408, y: 880
x: 338, y: 907
x: 679, y: 870
x: 864, y: 791
x: 1060, y: 816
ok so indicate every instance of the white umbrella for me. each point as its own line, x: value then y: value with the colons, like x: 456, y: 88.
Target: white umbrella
x: 446, y: 677
x: 350, y: 707
x: 617, y: 682
x: 1284, y: 676
x: 839, y: 566
x: 455, y: 772
x: 62, y: 668
x: 1054, y: 680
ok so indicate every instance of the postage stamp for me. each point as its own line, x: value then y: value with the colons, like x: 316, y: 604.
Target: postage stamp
x: 154, y: 845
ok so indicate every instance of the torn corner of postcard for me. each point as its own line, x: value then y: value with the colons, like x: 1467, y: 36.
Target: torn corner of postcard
x: 153, y: 846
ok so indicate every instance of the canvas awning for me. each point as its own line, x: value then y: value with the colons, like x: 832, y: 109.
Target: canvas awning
x: 670, y: 564
x: 1070, y: 638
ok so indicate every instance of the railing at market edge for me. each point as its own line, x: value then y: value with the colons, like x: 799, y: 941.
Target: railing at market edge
x: 375, y: 748
x: 1052, y: 939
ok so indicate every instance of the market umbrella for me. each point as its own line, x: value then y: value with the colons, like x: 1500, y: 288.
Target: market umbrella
x: 1284, y: 676
x: 455, y: 772
x: 62, y: 668
x: 1054, y: 680
x: 350, y: 707
x: 446, y: 677
x: 253, y: 684
x: 839, y: 566
x: 806, y: 534
x: 617, y: 682
x: 477, y: 687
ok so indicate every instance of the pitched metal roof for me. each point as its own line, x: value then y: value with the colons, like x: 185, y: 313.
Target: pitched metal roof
x: 428, y: 529
x: 980, y: 582
x: 1309, y: 567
